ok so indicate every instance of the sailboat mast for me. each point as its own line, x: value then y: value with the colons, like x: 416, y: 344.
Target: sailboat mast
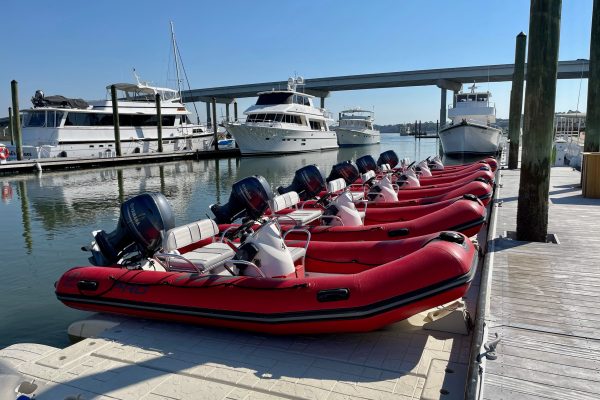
x: 176, y: 59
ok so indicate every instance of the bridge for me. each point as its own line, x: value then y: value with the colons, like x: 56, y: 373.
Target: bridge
x: 444, y: 78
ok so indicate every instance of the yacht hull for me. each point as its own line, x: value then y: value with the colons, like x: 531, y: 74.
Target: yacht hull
x: 352, y: 137
x: 271, y: 140
x: 468, y: 138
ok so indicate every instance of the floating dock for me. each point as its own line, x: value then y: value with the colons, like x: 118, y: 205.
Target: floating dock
x: 47, y: 164
x: 545, y: 298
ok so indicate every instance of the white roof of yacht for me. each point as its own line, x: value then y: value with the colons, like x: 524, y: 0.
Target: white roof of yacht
x: 285, y: 91
x: 357, y: 110
x: 135, y: 87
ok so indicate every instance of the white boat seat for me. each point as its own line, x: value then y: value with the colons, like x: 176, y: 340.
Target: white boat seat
x: 370, y: 174
x: 362, y: 215
x: 301, y: 217
x: 286, y: 200
x: 385, y: 167
x: 191, y: 233
x: 336, y: 185
x: 207, y: 257
x: 204, y: 258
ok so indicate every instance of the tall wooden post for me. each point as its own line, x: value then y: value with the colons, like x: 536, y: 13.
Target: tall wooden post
x: 592, y: 131
x: 540, y: 95
x: 214, y: 119
x: 115, y: 107
x: 235, y: 114
x: 322, y: 102
x: 516, y: 102
x: 159, y: 123
x: 227, y: 112
x: 10, y: 126
x: 16, y: 120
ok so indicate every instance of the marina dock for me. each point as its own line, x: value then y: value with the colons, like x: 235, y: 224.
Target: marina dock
x: 544, y: 298
x: 47, y: 164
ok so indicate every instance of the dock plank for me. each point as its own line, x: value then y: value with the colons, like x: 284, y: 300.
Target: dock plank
x: 545, y: 299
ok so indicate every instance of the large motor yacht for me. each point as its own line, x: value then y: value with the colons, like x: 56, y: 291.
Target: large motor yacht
x: 355, y: 128
x: 61, y: 127
x: 283, y: 121
x: 471, y: 130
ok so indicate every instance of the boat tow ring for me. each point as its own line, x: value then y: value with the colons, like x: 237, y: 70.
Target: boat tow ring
x: 4, y: 153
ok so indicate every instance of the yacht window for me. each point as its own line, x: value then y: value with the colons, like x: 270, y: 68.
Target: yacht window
x: 482, y: 97
x: 35, y: 118
x: 259, y: 117
x: 461, y: 98
x: 80, y: 119
x: 269, y: 117
x: 472, y: 97
x: 297, y: 119
x: 280, y: 117
x: 305, y: 101
x: 59, y: 118
x: 250, y: 118
x: 315, y: 125
x: 105, y: 119
x: 266, y: 99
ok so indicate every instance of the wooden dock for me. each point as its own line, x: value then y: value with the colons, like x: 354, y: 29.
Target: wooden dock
x: 47, y: 164
x: 544, y: 299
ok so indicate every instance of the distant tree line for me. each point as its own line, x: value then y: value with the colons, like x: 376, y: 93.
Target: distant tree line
x: 426, y: 126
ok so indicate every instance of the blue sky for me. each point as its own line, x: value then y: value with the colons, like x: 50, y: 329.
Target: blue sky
x: 76, y: 48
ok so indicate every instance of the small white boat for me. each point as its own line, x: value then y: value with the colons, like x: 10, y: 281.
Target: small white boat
x: 355, y: 128
x: 283, y: 121
x: 471, y: 130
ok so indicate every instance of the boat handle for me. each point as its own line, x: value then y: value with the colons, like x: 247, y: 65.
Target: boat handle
x: 234, y: 263
x: 167, y: 263
x: 308, y: 235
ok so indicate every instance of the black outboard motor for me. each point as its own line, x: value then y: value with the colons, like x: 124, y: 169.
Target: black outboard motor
x: 308, y: 182
x: 388, y: 157
x: 366, y: 164
x: 345, y: 170
x: 249, y: 197
x: 141, y: 221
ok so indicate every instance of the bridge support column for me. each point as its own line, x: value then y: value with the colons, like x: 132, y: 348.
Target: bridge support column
x: 443, y: 108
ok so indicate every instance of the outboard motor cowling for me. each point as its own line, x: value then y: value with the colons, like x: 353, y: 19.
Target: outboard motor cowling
x: 365, y: 164
x: 422, y: 169
x: 249, y: 197
x: 388, y: 157
x: 345, y: 170
x: 141, y: 221
x: 308, y: 182
x: 435, y: 164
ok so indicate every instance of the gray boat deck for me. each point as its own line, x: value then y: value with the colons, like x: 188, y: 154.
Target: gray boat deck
x: 545, y: 299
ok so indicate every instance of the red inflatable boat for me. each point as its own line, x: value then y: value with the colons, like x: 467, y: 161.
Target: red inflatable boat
x: 331, y: 293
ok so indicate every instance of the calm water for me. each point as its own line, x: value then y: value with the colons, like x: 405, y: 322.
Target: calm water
x: 46, y: 219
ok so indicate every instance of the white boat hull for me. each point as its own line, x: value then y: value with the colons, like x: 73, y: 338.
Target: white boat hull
x: 274, y: 140
x: 355, y: 137
x: 98, y: 142
x: 470, y: 139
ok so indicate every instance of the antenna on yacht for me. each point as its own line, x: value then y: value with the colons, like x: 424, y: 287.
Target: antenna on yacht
x: 473, y: 87
x: 136, y: 76
x: 176, y: 59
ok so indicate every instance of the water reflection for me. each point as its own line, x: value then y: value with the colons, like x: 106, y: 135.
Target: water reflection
x: 57, y: 212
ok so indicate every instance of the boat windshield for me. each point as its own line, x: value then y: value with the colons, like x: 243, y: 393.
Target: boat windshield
x: 42, y: 118
x: 266, y: 99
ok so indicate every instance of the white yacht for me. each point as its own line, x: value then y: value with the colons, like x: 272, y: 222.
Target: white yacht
x: 283, y: 121
x: 60, y: 127
x: 355, y: 128
x: 471, y: 130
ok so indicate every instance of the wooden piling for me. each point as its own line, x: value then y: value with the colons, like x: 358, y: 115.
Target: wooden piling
x: 10, y: 126
x: 322, y: 102
x: 540, y: 95
x: 516, y: 102
x: 208, y: 119
x: 115, y: 108
x: 592, y: 131
x: 227, y: 112
x: 159, y: 123
x: 16, y: 120
x: 235, y: 111
x: 214, y: 119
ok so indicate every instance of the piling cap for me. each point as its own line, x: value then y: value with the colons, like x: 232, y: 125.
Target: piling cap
x: 521, y: 34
